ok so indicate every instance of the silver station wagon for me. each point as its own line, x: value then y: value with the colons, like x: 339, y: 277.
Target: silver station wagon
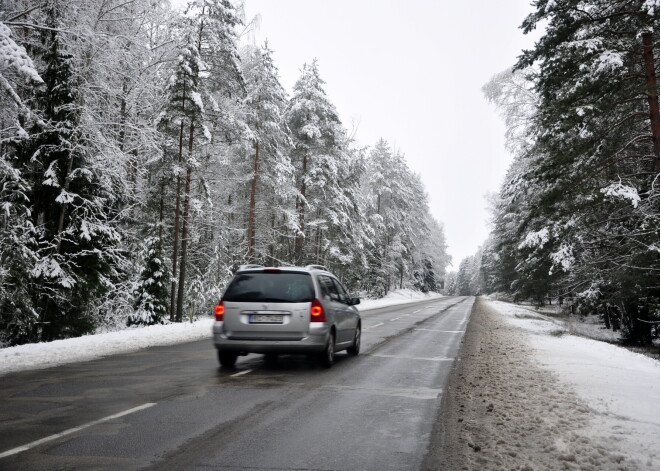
x: 286, y: 310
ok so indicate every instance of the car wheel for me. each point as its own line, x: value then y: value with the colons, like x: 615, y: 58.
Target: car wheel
x: 328, y: 355
x: 227, y: 359
x: 355, y: 348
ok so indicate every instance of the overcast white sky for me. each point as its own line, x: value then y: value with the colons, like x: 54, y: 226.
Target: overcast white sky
x: 411, y: 71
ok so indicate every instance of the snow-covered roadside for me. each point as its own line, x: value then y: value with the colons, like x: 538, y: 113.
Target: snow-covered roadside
x: 621, y: 388
x: 394, y: 298
x: 89, y: 347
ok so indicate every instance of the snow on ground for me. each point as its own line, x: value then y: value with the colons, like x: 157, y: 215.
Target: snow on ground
x: 89, y: 347
x: 589, y: 326
x: 394, y: 298
x: 621, y: 388
x: 47, y: 354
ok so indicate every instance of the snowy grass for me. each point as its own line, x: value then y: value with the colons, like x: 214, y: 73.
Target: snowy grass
x: 621, y: 387
x: 90, y: 347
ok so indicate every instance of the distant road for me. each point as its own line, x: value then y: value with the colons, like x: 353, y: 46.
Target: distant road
x: 172, y: 407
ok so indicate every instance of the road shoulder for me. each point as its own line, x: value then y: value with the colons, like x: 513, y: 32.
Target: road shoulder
x: 500, y: 410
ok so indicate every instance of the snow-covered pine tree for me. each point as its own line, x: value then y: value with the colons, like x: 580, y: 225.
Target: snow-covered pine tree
x: 319, y: 155
x: 271, y: 185
x: 181, y: 122
x: 398, y: 214
x: 151, y: 294
x: 18, y: 244
x: 73, y: 212
x: 212, y: 25
x: 581, y: 208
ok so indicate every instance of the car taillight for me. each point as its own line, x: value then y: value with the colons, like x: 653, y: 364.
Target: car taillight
x: 220, y: 311
x: 316, y: 313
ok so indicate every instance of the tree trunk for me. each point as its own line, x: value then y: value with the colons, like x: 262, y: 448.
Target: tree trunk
x: 272, y: 238
x: 300, y: 237
x: 651, y: 86
x: 184, y: 232
x: 60, y: 223
x: 253, y: 199
x: 162, y: 213
x: 177, y: 210
x: 184, y: 249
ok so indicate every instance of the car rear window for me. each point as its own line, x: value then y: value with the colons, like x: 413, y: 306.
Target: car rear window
x: 273, y: 287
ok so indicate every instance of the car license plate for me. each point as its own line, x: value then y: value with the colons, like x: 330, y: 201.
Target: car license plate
x: 266, y: 319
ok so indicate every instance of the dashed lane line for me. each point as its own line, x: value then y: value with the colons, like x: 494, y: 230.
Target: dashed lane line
x: 374, y: 326
x: 23, y: 448
x: 241, y: 373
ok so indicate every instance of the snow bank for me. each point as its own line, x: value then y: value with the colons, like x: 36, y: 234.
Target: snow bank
x: 394, y: 298
x: 90, y: 347
x: 621, y: 387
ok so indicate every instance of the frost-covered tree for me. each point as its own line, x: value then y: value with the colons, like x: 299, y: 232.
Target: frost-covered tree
x: 18, y: 255
x: 151, y: 294
x: 579, y: 212
x: 137, y: 148
x: 404, y: 239
x: 183, y: 124
x: 72, y: 206
x: 271, y: 185
x: 319, y: 154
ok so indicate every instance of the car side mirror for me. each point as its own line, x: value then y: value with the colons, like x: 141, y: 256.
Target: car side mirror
x: 354, y: 301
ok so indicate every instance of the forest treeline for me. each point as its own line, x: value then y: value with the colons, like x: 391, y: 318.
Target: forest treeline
x: 578, y: 215
x: 146, y: 153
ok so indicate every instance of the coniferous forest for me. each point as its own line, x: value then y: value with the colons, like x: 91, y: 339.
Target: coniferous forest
x: 578, y: 215
x: 147, y: 152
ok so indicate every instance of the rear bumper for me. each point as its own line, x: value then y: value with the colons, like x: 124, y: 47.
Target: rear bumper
x: 314, y: 342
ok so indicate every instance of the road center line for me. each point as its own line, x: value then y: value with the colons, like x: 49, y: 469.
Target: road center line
x: 241, y: 373
x: 20, y: 449
x: 376, y: 325
x: 395, y: 319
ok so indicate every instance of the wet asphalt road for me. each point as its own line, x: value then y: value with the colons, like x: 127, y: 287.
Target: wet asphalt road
x: 371, y: 412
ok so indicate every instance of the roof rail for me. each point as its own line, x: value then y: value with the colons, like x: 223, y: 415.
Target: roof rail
x: 316, y: 267
x: 249, y: 266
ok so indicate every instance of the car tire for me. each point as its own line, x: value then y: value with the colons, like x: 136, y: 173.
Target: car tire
x: 328, y: 355
x: 357, y: 340
x: 227, y: 359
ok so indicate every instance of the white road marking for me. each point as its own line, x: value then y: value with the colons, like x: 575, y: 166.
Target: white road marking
x: 395, y: 319
x: 373, y: 326
x: 445, y: 331
x: 402, y: 357
x: 20, y: 449
x: 241, y: 373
